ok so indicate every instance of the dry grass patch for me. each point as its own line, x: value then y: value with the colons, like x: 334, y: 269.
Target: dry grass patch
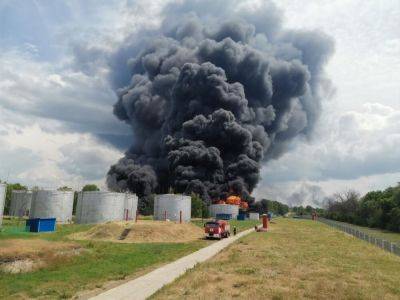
x: 299, y: 259
x: 19, y: 256
x: 143, y: 232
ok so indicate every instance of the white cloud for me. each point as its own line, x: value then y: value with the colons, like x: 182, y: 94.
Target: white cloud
x: 83, y: 103
x: 357, y: 144
x: 37, y: 157
x: 56, y: 123
x: 349, y: 150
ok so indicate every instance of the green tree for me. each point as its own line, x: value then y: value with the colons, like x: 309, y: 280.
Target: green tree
x: 264, y: 206
x: 199, y: 208
x: 394, y: 219
x: 146, y: 205
x: 90, y: 188
x: 380, y: 209
x: 64, y: 188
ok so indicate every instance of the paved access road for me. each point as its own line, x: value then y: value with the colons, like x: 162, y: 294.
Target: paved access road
x: 146, y: 285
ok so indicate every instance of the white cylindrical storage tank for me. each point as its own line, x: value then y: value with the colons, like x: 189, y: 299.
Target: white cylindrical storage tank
x: 100, y: 207
x: 224, y: 209
x: 52, y: 204
x: 131, y: 202
x: 254, y: 216
x: 169, y: 206
x: 3, y: 189
x: 21, y: 201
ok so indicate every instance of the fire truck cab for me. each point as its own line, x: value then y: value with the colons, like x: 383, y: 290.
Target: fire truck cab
x: 217, y: 229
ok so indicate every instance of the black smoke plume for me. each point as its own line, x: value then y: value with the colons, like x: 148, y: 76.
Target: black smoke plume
x: 215, y: 92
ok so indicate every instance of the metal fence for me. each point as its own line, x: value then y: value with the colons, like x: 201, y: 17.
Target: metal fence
x: 381, y: 243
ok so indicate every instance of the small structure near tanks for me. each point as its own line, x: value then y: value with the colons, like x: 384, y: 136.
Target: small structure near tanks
x: 3, y: 188
x: 21, y: 201
x: 254, y: 216
x: 101, y: 207
x: 172, y: 207
x: 52, y: 204
x: 41, y: 225
x: 224, y: 209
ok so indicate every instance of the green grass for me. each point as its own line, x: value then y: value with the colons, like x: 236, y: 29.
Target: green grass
x: 146, y: 217
x: 391, y: 236
x: 99, y: 263
x: 296, y: 259
x: 240, y: 225
x: 15, y: 228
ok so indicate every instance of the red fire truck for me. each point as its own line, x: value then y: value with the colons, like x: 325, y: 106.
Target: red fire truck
x: 217, y: 229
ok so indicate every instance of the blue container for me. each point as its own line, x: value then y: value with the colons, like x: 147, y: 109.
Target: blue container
x: 241, y: 217
x: 41, y: 225
x: 223, y: 216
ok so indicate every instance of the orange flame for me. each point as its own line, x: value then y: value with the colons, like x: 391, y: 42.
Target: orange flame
x: 233, y: 200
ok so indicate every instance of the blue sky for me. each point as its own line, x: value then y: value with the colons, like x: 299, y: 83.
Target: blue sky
x: 54, y: 111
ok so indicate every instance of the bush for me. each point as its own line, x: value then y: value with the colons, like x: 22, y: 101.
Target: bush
x: 199, y: 208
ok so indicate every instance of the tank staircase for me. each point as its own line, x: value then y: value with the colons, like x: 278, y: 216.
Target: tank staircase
x: 124, y: 234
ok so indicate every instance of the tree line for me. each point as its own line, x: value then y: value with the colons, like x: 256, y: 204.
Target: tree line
x: 308, y: 210
x: 378, y: 209
x: 264, y: 206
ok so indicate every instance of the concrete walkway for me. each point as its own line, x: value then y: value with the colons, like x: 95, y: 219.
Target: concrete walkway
x: 146, y: 285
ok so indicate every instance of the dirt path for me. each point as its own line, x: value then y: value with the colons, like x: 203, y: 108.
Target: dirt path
x: 145, y: 286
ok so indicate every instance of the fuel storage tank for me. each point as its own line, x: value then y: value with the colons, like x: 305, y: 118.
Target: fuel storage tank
x: 101, y: 206
x: 3, y: 188
x: 52, y: 204
x: 21, y: 201
x: 131, y: 203
x: 226, y: 209
x: 170, y: 206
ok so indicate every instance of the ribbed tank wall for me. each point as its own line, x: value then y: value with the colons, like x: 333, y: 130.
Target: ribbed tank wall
x: 131, y: 202
x: 3, y: 189
x: 170, y: 205
x: 224, y: 209
x: 100, y: 207
x: 20, y: 203
x: 52, y: 204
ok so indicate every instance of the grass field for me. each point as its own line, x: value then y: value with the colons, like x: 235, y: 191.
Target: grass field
x: 297, y: 259
x: 378, y: 233
x: 97, y: 264
x: 15, y: 228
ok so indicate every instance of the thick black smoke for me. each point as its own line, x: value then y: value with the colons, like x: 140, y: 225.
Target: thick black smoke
x: 212, y: 95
